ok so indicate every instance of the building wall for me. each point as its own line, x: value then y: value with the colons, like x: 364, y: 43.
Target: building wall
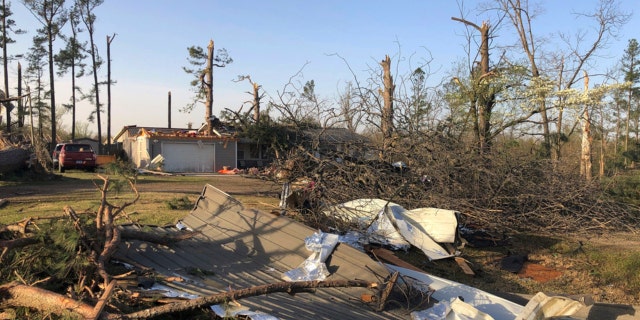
x: 188, y: 156
x: 226, y: 155
x: 140, y: 156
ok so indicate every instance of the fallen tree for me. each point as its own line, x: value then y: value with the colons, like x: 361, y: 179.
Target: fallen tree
x: 16, y: 294
x: 45, y: 301
x: 74, y: 251
x: 501, y: 192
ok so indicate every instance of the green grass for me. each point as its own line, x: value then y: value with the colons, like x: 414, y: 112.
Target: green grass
x: 81, y: 191
x: 179, y: 203
x: 163, y: 199
x: 624, y: 188
x: 617, y: 267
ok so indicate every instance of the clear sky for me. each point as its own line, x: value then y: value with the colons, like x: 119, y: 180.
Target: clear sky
x: 271, y: 40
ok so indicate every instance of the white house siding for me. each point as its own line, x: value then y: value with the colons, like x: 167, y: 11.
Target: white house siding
x: 139, y: 152
x: 188, y: 156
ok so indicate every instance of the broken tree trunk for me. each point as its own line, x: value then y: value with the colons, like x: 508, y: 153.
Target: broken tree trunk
x: 387, y: 109
x: 587, y: 140
x: 15, y: 294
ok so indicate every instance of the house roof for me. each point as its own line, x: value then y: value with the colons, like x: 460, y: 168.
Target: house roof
x: 240, y: 248
x: 170, y: 133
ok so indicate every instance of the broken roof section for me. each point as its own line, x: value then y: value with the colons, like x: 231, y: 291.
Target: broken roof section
x: 390, y: 224
x: 237, y: 248
x: 240, y: 248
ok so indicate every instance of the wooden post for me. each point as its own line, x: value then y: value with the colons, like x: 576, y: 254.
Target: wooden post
x: 21, y: 111
x: 169, y: 110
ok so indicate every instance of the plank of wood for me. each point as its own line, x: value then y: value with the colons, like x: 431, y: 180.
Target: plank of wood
x: 390, y: 257
x: 464, y: 266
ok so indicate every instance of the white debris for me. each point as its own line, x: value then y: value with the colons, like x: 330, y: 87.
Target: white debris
x: 233, y: 311
x: 314, y: 267
x: 456, y: 309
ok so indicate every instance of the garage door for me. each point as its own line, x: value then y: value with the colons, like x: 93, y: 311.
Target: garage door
x: 188, y: 157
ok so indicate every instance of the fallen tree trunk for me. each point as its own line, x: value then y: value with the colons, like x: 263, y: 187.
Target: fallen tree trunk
x: 288, y: 287
x: 19, y: 295
x: 20, y: 226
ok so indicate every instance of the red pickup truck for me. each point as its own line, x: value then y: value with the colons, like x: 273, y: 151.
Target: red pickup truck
x: 76, y: 156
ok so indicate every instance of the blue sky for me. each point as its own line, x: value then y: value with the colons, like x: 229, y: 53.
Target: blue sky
x: 272, y: 40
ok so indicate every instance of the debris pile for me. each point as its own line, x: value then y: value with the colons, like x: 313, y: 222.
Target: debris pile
x: 255, y: 250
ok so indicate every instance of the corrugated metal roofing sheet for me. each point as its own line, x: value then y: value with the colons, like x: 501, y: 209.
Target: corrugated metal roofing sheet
x: 239, y: 248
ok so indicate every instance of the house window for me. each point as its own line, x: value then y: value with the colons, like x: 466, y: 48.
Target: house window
x: 240, y: 154
x: 254, y: 151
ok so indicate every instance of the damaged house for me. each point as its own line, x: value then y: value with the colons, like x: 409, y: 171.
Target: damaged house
x: 188, y: 150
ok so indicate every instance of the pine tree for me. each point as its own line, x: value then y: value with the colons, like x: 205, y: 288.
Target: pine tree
x: 202, y: 63
x: 88, y: 17
x: 52, y: 15
x: 8, y: 26
x: 631, y: 69
x: 71, y: 59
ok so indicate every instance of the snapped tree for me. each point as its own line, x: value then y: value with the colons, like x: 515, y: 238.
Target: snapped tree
x: 201, y: 67
x: 71, y: 59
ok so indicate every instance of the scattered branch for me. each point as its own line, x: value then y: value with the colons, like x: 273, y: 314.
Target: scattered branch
x: 288, y: 287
